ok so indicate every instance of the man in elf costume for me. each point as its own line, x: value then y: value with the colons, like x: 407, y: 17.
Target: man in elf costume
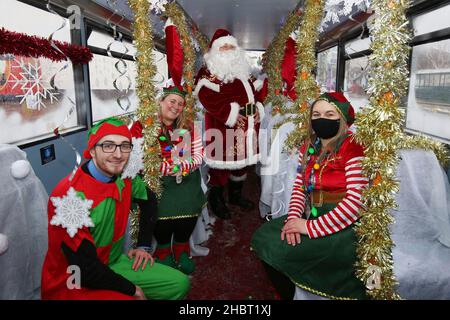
x: 88, y: 215
x: 232, y: 117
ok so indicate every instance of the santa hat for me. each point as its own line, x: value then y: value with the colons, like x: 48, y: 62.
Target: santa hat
x: 342, y: 105
x: 103, y: 128
x: 174, y: 51
x: 288, y: 67
x: 221, y: 37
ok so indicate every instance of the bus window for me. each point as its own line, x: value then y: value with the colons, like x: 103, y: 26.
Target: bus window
x: 326, y: 69
x: 432, y: 21
x: 104, y: 70
x: 357, y: 45
x: 428, y: 108
x: 356, y: 81
x: 30, y: 109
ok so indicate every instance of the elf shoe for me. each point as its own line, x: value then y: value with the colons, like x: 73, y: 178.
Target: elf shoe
x: 163, y: 255
x: 182, y: 256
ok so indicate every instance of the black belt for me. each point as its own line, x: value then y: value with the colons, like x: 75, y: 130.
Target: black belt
x: 248, y: 110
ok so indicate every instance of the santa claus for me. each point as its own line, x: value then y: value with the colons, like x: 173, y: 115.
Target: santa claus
x: 232, y: 115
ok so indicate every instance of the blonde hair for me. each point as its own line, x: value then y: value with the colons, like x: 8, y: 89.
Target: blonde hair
x: 332, y: 144
x: 181, y: 122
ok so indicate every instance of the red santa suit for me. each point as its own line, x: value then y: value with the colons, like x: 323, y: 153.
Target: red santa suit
x: 223, y: 102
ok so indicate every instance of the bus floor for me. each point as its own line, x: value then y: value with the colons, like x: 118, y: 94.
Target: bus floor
x: 231, y: 271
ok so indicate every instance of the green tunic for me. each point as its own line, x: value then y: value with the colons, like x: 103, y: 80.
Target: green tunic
x: 184, y: 200
x: 323, y: 266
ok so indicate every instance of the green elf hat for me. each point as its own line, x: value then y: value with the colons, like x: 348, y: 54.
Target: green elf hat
x: 342, y: 105
x: 103, y: 128
x: 171, y: 88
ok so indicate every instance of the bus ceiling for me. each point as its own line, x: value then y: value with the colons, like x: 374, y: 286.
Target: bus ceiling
x: 253, y: 22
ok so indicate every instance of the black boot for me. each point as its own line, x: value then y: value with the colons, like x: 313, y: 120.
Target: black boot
x: 217, y: 202
x: 235, y: 196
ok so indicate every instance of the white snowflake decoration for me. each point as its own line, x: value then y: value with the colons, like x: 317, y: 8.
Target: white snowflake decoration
x: 334, y: 9
x: 157, y: 6
x: 136, y: 161
x: 361, y: 5
x: 71, y: 212
x: 35, y: 88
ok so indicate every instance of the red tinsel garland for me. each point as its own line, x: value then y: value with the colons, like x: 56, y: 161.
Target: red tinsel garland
x: 21, y: 44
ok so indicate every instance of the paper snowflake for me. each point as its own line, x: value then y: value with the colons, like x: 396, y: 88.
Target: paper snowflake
x: 71, y: 212
x: 334, y: 9
x: 35, y: 89
x: 136, y: 161
x: 157, y: 6
x: 361, y: 5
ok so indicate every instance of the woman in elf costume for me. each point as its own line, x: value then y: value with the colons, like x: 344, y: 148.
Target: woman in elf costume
x: 314, y: 248
x: 182, y: 198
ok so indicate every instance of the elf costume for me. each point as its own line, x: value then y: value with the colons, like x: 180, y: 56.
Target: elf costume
x: 328, y: 194
x: 182, y: 199
x: 87, y: 221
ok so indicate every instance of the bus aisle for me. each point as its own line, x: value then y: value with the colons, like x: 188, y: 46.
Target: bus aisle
x: 231, y: 271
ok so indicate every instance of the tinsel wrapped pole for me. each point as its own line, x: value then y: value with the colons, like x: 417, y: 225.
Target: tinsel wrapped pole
x: 174, y: 12
x: 274, y: 58
x: 147, y: 111
x: 380, y: 131
x: 201, y: 38
x: 305, y: 83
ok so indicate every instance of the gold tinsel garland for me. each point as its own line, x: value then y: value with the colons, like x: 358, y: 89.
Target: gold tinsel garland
x: 147, y: 111
x: 134, y: 225
x: 273, y: 58
x: 174, y: 12
x: 425, y: 143
x: 305, y: 83
x: 380, y: 131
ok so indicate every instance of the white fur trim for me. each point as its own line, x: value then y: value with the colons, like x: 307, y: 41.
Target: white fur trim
x: 233, y: 165
x: 261, y: 111
x: 3, y: 243
x: 169, y: 22
x: 20, y: 169
x: 258, y: 84
x: 234, y: 113
x: 238, y: 179
x: 224, y: 40
x: 206, y: 83
x: 248, y: 90
x: 248, y: 161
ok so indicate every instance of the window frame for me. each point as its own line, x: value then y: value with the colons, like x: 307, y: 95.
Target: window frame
x: 76, y: 37
x: 430, y: 37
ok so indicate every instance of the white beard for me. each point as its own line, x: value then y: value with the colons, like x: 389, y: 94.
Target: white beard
x: 228, y: 65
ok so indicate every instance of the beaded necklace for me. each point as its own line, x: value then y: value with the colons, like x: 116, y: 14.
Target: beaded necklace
x: 309, y: 186
x: 168, y: 139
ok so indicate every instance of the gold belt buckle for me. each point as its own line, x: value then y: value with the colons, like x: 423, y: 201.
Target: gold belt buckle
x: 246, y: 109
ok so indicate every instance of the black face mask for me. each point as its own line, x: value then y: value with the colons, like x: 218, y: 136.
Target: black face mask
x: 325, y: 128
